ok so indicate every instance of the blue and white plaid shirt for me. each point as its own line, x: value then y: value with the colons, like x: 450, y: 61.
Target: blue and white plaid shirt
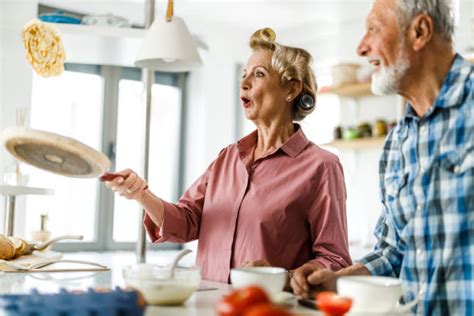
x: 426, y: 230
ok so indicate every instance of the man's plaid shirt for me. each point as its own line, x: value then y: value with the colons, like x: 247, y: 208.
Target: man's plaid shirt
x: 426, y: 230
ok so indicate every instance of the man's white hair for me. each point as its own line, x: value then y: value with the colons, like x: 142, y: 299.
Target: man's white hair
x: 439, y: 10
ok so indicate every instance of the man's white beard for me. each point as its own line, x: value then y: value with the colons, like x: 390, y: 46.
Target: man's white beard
x: 387, y: 80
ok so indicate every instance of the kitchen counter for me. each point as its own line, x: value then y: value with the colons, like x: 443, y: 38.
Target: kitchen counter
x: 202, y: 303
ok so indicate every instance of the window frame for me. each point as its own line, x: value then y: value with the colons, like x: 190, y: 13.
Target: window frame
x: 104, y: 212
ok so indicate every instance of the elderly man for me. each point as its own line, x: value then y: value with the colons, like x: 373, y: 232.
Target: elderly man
x: 426, y: 230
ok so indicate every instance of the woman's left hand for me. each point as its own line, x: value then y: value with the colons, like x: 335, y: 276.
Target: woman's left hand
x: 256, y: 263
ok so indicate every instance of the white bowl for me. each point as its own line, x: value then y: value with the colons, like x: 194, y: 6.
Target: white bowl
x: 158, y: 288
x: 270, y: 279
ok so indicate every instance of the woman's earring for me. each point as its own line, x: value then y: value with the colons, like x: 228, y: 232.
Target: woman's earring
x: 288, y: 98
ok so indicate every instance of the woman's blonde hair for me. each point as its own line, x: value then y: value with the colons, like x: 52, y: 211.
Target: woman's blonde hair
x: 290, y: 63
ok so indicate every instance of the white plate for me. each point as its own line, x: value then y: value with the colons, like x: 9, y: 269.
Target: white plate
x: 282, y: 297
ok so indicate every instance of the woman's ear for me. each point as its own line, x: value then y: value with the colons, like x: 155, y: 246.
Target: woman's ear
x: 294, y: 89
x: 421, y: 31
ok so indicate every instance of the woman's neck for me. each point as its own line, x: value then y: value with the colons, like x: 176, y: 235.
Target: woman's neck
x: 270, y: 137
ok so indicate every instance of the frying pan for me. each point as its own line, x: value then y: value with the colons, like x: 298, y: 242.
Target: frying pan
x: 54, y: 153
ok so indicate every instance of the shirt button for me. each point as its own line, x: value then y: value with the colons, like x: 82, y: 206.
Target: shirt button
x: 423, y: 128
x: 419, y: 251
x: 418, y: 208
x: 422, y: 288
x: 456, y: 169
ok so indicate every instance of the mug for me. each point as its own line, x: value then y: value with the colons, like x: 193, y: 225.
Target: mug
x: 373, y: 294
x: 271, y: 279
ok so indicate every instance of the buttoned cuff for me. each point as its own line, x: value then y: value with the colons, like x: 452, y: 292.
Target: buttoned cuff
x: 378, y: 264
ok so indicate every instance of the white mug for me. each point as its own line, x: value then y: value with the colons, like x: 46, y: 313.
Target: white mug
x: 272, y: 279
x: 373, y: 294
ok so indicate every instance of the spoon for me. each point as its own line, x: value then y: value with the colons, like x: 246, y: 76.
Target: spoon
x: 178, y: 257
x: 32, y: 247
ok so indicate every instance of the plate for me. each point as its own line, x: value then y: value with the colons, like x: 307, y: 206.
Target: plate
x: 59, y: 17
x: 282, y: 298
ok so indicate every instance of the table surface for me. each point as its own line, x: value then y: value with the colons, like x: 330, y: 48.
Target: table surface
x: 201, y: 303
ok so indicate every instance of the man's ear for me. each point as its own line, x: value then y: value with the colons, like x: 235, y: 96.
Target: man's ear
x: 294, y: 88
x: 420, y: 31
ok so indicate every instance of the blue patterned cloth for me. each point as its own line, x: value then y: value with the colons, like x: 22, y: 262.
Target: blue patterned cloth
x: 426, y: 230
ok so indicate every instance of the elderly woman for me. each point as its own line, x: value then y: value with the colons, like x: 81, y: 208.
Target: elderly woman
x: 272, y: 198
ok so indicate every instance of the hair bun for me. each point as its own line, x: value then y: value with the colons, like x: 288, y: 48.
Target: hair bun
x: 266, y: 34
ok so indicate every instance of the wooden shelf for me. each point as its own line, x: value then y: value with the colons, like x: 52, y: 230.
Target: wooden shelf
x: 97, y: 31
x: 358, y: 143
x: 351, y: 90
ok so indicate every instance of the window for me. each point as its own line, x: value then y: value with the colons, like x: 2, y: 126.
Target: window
x: 60, y: 106
x: 103, y: 107
x: 164, y: 147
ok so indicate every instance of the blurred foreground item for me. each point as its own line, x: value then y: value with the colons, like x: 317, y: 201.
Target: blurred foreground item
x: 93, y: 302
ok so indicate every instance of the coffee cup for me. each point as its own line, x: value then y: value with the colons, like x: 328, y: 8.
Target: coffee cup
x: 271, y: 279
x: 373, y: 294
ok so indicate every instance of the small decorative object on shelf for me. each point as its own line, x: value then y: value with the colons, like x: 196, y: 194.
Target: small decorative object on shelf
x: 380, y: 128
x: 365, y: 130
x: 105, y: 20
x: 93, y: 302
x: 344, y: 73
x: 355, y: 90
x: 364, y: 136
x: 60, y: 16
x: 338, y: 132
x: 43, y: 234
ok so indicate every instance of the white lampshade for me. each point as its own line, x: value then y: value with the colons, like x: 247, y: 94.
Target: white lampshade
x: 168, y: 46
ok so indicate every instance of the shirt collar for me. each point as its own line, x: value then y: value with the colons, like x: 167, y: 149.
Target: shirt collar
x: 296, y: 143
x: 292, y: 147
x: 452, y: 91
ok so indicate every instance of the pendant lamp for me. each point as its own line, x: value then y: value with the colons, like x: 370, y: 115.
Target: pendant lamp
x: 168, y: 46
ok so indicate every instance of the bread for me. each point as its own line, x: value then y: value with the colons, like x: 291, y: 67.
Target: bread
x: 12, y: 247
x: 7, y: 249
x: 44, y: 48
x: 20, y: 246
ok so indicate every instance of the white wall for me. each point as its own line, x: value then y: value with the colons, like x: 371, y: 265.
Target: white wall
x: 211, y: 98
x: 15, y: 72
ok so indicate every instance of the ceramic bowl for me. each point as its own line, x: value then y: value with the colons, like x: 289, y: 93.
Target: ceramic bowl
x: 156, y: 285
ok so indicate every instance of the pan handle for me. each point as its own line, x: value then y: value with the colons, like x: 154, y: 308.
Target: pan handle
x: 56, y: 239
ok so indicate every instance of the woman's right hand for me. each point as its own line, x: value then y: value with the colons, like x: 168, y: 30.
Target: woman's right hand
x: 128, y: 184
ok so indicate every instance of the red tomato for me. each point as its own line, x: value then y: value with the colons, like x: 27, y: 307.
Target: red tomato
x: 237, y: 301
x: 332, y: 304
x: 265, y: 309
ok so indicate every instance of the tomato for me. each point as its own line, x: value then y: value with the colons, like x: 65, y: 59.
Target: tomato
x: 237, y: 301
x: 332, y: 304
x: 265, y: 309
